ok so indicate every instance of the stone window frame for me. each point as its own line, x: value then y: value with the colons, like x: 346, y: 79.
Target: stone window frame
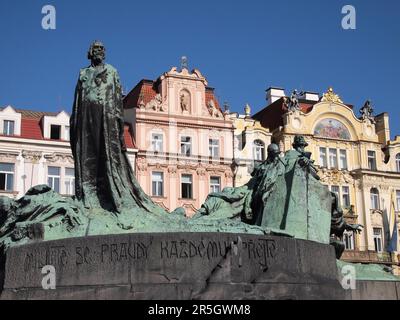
x: 397, y: 160
x: 371, y: 155
x: 214, y: 147
x: 191, y: 184
x: 374, y: 199
x: 159, y: 142
x: 62, y: 178
x: 212, y: 185
x: 378, y: 246
x: 7, y: 173
x: 156, y: 194
x: 261, y: 146
x: 7, y: 128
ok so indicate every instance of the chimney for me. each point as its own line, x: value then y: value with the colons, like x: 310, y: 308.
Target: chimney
x: 311, y: 96
x: 382, y: 127
x: 273, y: 94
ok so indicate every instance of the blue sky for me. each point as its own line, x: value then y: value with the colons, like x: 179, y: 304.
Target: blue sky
x: 242, y: 47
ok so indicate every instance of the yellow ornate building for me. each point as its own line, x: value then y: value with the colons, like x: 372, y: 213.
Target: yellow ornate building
x: 250, y: 145
x: 355, y: 158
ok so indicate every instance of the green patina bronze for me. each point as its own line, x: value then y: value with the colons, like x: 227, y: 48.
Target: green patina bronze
x: 283, y: 197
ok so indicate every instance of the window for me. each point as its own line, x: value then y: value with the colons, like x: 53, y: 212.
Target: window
x: 157, y: 184
x: 66, y: 133
x: 322, y: 157
x: 343, y: 159
x: 6, y: 176
x: 398, y: 200
x: 336, y: 190
x: 348, y: 239
x: 215, y: 184
x: 186, y: 146
x: 378, y: 239
x: 157, y: 142
x: 345, y: 196
x: 213, y: 147
x: 69, y: 181
x: 333, y: 158
x: 371, y: 160
x: 259, y: 150
x: 8, y: 127
x: 55, y: 132
x: 53, y: 178
x: 374, y: 199
x: 186, y: 185
x: 398, y: 162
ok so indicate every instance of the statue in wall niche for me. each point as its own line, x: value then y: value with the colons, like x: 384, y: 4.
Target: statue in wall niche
x: 184, y: 100
x: 367, y: 112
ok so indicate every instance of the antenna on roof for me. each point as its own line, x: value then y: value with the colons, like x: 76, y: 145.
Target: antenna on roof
x: 184, y: 63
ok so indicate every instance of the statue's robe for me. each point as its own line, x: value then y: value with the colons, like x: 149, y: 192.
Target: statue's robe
x: 301, y: 205
x: 103, y: 175
x: 246, y: 202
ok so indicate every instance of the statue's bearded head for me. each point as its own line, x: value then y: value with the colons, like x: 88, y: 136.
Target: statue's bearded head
x: 97, y: 52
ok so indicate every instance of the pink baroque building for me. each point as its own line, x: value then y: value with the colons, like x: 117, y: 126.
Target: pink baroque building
x: 184, y: 139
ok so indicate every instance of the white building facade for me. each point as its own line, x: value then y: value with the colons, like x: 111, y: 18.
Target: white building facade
x: 35, y: 149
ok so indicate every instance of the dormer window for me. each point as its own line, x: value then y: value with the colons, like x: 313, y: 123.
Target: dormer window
x: 55, y: 132
x: 66, y: 133
x: 8, y: 127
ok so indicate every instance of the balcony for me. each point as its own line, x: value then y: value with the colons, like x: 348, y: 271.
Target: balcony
x: 357, y: 256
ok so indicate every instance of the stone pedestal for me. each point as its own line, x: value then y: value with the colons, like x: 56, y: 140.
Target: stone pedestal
x: 174, y: 266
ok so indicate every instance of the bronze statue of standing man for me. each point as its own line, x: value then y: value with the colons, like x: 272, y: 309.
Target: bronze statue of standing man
x: 103, y: 175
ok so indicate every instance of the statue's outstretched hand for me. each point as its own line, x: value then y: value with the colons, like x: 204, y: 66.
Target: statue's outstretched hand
x: 354, y: 227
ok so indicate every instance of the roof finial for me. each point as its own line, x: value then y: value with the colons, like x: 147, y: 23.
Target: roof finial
x: 184, y: 63
x: 247, y: 110
x: 226, y: 107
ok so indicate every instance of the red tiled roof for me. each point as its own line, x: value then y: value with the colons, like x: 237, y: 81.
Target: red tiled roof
x: 271, y: 116
x: 145, y: 90
x: 31, y: 128
x: 211, y: 96
x: 129, y: 141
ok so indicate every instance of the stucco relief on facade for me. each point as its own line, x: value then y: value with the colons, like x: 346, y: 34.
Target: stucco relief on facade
x: 156, y: 104
x: 60, y: 158
x: 212, y: 109
x: 8, y: 157
x: 334, y: 176
x: 141, y: 166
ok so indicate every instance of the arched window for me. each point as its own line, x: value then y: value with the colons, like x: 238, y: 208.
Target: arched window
x: 374, y: 198
x: 398, y: 162
x: 258, y: 150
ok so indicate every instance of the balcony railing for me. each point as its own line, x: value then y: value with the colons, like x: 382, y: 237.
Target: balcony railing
x: 367, y: 257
